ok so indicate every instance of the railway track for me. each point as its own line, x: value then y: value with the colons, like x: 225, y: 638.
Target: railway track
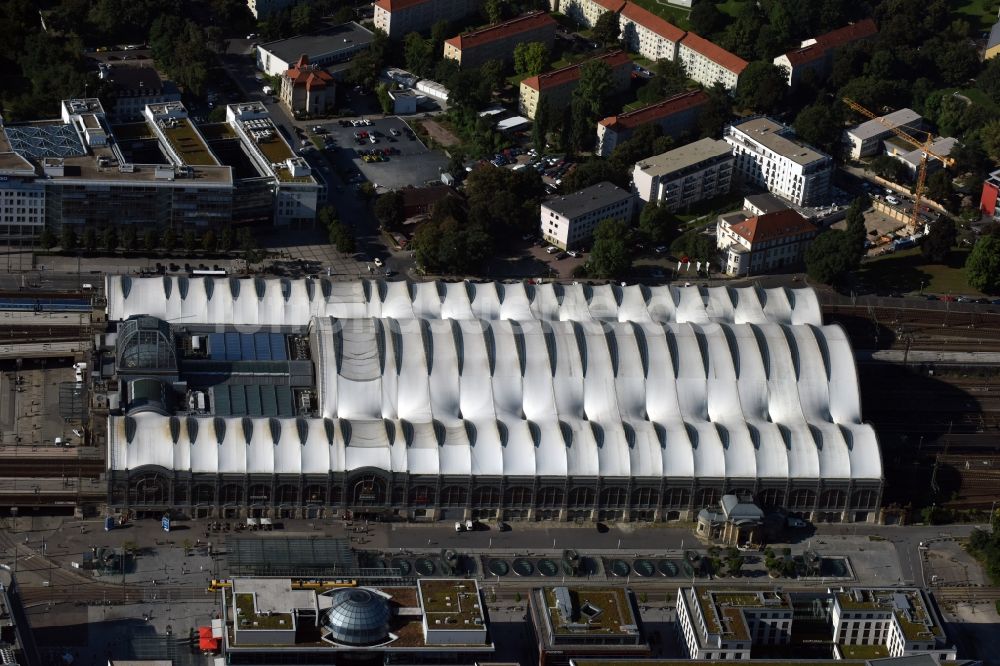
x: 104, y: 594
x: 973, y: 594
x: 87, y: 468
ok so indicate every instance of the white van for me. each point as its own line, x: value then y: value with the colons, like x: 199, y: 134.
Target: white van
x: 459, y: 527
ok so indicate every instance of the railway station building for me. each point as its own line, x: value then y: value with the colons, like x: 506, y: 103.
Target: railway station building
x: 461, y: 400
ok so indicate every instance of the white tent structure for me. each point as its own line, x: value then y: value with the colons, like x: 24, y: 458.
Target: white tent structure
x: 452, y: 400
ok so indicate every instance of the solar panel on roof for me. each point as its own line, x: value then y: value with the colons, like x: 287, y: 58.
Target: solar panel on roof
x: 253, y: 401
x: 262, y: 346
x: 268, y: 400
x: 247, y: 352
x: 278, y: 352
x: 216, y: 347
x: 223, y: 407
x: 284, y: 395
x: 232, y: 346
x: 238, y: 397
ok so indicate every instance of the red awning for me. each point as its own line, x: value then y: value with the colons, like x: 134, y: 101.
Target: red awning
x: 206, y: 642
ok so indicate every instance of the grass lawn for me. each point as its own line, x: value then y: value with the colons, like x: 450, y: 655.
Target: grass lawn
x: 676, y: 15
x: 730, y: 7
x: 980, y: 13
x: 905, y: 271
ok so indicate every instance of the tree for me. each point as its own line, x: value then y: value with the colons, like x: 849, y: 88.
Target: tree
x: 530, y: 58
x: 493, y: 10
x: 540, y: 125
x: 341, y: 237
x: 983, y: 265
x: 940, y: 239
x: 130, y: 238
x: 227, y: 239
x: 149, y: 239
x: 190, y: 241
x: 90, y: 239
x: 589, y: 101
x: 491, y: 76
x: 389, y: 210
x: 705, y: 18
x: 817, y: 125
x: 831, y: 256
x: 716, y: 113
x: 169, y: 240
x: 303, y: 17
x: 448, y: 247
x: 656, y: 223
x: 382, y: 92
x: 941, y: 189
x: 696, y: 246
x: 209, y: 242
x: 591, y: 172
x: 762, y: 87
x: 607, y: 29
x: 110, y: 239
x: 417, y: 54
x: 855, y: 223
x: 889, y: 168
x: 670, y: 78
x: 47, y: 239
x: 67, y: 238
x: 609, y: 257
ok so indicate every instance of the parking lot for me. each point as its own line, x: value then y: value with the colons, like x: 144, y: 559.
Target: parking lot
x: 411, y: 163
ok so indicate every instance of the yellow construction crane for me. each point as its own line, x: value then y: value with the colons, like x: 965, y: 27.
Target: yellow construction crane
x: 925, y: 149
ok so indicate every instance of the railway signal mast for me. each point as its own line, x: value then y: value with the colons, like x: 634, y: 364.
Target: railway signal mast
x: 926, y: 153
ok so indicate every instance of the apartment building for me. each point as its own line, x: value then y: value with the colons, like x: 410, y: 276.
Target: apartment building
x: 497, y: 42
x: 725, y: 625
x: 866, y: 139
x: 816, y: 55
x: 568, y: 221
x: 677, y: 116
x: 989, y: 198
x: 768, y: 155
x: 396, y: 18
x: 903, y: 620
x: 306, y: 88
x: 556, y: 87
x: 708, y: 63
x: 686, y: 175
x: 752, y: 245
x: 586, y: 12
x: 647, y: 34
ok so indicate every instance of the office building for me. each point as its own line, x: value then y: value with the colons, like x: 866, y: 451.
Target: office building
x: 686, y: 175
x: 164, y: 172
x: 762, y: 204
x: 866, y: 139
x: 396, y: 18
x: 327, y: 46
x: 497, y: 42
x: 307, y: 89
x: 903, y: 621
x: 568, y: 221
x: 912, y: 157
x: 586, y: 12
x: 435, y: 401
x: 647, y: 34
x: 814, y: 58
x: 572, y: 623
x: 135, y: 87
x: 752, y: 245
x: 768, y: 155
x: 556, y: 88
x: 281, y: 620
x: 676, y: 116
x: 708, y: 64
x: 725, y: 625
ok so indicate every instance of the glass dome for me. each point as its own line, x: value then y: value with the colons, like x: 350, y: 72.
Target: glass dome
x: 357, y: 617
x: 145, y: 343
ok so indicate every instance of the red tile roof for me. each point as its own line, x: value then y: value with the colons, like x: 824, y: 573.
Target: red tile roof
x: 832, y: 40
x: 397, y: 5
x: 558, y: 77
x: 310, y: 76
x: 503, y: 30
x: 714, y: 52
x: 668, y: 107
x: 651, y: 21
x: 773, y: 226
x: 611, y: 5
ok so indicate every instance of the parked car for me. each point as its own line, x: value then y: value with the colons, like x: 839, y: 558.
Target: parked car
x: 574, y: 253
x: 551, y: 249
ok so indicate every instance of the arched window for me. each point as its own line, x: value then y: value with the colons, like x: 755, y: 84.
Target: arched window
x: 231, y: 493
x: 149, y: 489
x: 613, y: 498
x: 581, y: 498
x: 802, y: 499
x: 676, y: 498
x: 549, y: 497
x: 864, y: 499
x: 645, y: 498
x: 517, y: 496
x: 204, y: 493
x: 771, y: 498
x: 288, y: 494
x: 832, y: 499
x: 708, y: 497
x: 368, y: 490
x: 260, y: 493
x: 485, y: 496
x: 454, y: 496
x: 315, y: 493
x: 421, y: 496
